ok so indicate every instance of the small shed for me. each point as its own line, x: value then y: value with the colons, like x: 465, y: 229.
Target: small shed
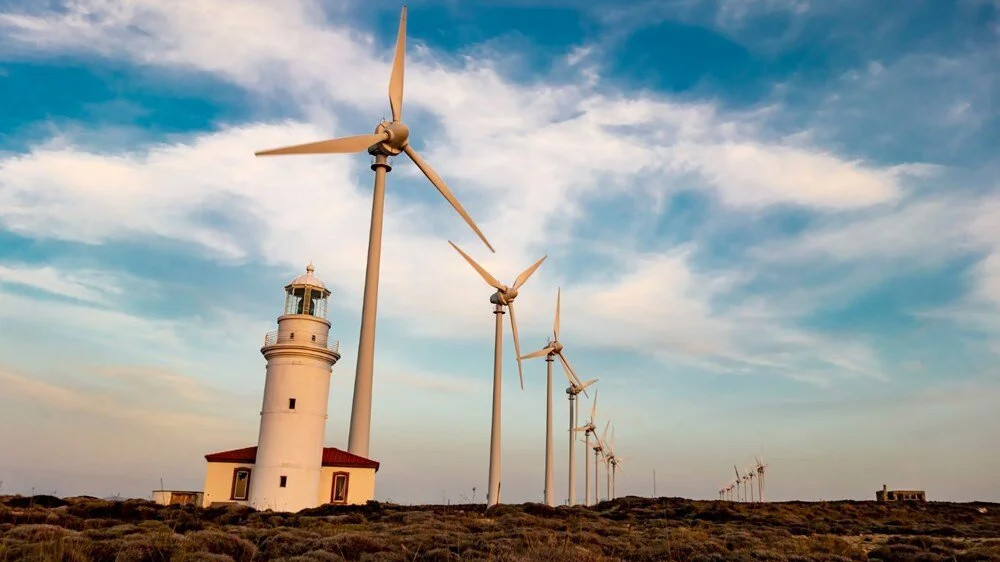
x: 177, y: 497
x: 887, y: 495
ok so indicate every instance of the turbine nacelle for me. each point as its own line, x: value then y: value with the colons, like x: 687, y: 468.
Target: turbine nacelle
x: 504, y: 295
x: 398, y: 137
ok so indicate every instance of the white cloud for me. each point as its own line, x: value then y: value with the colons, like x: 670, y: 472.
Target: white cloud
x: 84, y: 285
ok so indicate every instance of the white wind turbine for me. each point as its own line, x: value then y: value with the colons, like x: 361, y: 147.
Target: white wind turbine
x: 761, y: 467
x: 389, y: 139
x: 615, y: 463
x: 599, y: 454
x: 504, y: 296
x: 554, y: 348
x: 738, y: 482
x: 750, y: 478
x: 588, y: 429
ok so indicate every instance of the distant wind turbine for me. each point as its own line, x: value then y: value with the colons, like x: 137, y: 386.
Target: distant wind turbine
x: 588, y: 429
x: 504, y: 296
x: 554, y: 348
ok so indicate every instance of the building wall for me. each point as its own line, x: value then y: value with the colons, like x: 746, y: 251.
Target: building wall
x: 219, y: 482
x: 360, y: 484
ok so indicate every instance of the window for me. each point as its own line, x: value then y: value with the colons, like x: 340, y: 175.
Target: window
x: 292, y: 336
x: 314, y: 337
x: 291, y: 403
x: 241, y: 484
x: 284, y: 480
x: 339, y: 492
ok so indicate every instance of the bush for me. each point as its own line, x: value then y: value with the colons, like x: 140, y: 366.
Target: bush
x: 218, y: 542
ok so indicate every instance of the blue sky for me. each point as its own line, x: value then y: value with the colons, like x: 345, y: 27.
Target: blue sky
x: 775, y: 224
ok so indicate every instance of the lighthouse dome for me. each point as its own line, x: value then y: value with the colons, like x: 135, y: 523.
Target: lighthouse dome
x: 308, y: 279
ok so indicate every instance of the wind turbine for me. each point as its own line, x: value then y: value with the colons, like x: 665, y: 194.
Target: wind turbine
x: 588, y: 429
x: 615, y: 463
x: 760, y: 477
x: 598, y: 453
x: 389, y: 139
x: 750, y: 476
x: 504, y: 296
x: 554, y: 348
x: 739, y: 479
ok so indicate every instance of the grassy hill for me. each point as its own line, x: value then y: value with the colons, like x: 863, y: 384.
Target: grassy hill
x: 48, y: 528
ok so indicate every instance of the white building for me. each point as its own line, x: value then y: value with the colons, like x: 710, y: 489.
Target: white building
x: 289, y: 469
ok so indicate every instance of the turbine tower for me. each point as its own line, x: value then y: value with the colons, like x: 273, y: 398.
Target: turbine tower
x: 554, y: 348
x: 504, y: 296
x: 389, y: 139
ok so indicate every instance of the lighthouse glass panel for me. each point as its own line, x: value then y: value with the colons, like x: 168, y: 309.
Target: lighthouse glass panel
x: 319, y: 308
x: 292, y: 303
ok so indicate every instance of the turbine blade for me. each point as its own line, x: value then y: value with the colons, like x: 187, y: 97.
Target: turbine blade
x: 605, y: 434
x: 396, y: 78
x: 583, y: 386
x: 482, y: 272
x: 527, y: 273
x: 358, y: 143
x: 517, y: 341
x: 539, y: 353
x: 567, y: 370
x: 443, y: 188
x: 555, y: 325
x: 593, y: 408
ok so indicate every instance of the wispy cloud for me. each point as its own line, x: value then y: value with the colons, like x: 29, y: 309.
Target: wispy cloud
x: 84, y: 285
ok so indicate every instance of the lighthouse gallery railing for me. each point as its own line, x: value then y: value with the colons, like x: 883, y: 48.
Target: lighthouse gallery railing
x: 304, y: 338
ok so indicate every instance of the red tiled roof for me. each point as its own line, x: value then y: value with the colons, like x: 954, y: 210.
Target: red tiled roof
x: 247, y: 455
x: 332, y: 456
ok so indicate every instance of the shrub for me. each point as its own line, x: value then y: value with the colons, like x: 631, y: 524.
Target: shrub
x: 32, y: 501
x: 350, y: 545
x: 217, y: 542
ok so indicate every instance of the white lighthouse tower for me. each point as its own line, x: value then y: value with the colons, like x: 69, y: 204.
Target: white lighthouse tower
x: 300, y: 357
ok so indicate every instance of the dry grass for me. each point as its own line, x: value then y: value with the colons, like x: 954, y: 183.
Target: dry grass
x: 82, y: 529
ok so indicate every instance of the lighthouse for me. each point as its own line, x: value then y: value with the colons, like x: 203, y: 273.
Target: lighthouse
x: 290, y: 469
x: 300, y: 357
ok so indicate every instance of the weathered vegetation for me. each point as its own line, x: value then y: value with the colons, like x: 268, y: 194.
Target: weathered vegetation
x: 80, y: 529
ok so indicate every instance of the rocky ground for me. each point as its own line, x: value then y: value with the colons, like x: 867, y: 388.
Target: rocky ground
x: 48, y: 528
